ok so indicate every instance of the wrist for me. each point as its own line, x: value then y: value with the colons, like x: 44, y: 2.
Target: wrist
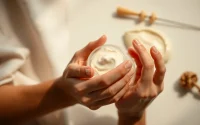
x: 131, y: 118
x: 64, y: 93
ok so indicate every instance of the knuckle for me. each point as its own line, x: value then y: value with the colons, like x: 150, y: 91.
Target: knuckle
x: 70, y: 67
x: 127, y: 79
x: 104, y: 82
x: 78, y: 91
x: 142, y: 95
x: 86, y: 101
x: 99, y: 84
x: 153, y: 95
x: 149, y: 66
x: 163, y: 70
x: 95, y: 96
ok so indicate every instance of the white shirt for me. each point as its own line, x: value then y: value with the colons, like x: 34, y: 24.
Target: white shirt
x: 33, y: 45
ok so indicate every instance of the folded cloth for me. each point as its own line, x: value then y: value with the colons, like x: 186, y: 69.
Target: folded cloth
x: 32, y: 48
x: 11, y: 59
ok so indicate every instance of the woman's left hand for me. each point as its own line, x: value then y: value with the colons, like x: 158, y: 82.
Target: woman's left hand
x: 148, y: 82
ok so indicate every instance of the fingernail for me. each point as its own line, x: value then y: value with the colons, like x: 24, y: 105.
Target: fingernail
x: 154, y: 50
x: 88, y: 71
x: 103, y: 36
x: 128, y: 65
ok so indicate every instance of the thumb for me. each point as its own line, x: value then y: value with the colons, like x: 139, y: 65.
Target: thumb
x: 85, y: 52
x: 77, y: 71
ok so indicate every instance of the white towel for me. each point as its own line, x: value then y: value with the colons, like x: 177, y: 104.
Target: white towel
x: 33, y: 45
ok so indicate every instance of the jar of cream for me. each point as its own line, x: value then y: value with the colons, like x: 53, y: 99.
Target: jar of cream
x: 107, y: 57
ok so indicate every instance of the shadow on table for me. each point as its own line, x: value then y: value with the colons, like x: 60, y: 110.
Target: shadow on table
x: 101, y: 120
x: 82, y: 116
x: 182, y: 92
x: 190, y: 116
x: 161, y: 23
x: 134, y: 19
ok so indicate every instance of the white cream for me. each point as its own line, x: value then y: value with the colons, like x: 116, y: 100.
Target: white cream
x: 148, y: 38
x: 105, y: 58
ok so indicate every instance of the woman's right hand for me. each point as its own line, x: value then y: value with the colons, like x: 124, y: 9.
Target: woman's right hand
x: 99, y: 90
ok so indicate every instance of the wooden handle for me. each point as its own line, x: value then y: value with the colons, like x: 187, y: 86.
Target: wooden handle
x: 152, y: 18
x: 126, y: 12
x: 142, y: 15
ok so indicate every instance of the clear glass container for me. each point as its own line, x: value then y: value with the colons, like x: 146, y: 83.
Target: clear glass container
x: 106, y: 57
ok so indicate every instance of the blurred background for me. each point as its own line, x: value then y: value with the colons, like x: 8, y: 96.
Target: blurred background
x: 72, y: 24
x: 89, y: 19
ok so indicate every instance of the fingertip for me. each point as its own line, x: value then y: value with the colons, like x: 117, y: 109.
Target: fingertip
x: 154, y: 52
x: 151, y: 51
x: 136, y: 43
x: 92, y: 72
x: 101, y: 40
x: 104, y: 37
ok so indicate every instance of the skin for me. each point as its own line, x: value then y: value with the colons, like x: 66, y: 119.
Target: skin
x: 99, y: 90
x: 148, y: 84
x: 78, y: 86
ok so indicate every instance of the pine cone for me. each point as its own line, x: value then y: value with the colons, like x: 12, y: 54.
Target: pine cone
x: 188, y: 79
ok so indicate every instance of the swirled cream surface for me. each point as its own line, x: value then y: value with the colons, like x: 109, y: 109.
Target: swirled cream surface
x: 148, y: 38
x: 105, y: 58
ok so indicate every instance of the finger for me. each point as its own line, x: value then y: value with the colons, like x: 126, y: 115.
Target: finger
x: 110, y: 100
x: 146, y: 60
x: 134, y: 54
x: 107, y: 79
x: 132, y: 81
x: 85, y: 52
x: 77, y: 71
x: 113, y: 89
x: 159, y: 64
x: 102, y: 103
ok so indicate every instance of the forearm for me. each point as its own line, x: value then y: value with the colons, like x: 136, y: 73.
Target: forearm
x: 21, y: 103
x: 131, y: 120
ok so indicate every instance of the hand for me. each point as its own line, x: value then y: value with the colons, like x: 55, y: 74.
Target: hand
x: 99, y: 90
x: 147, y: 84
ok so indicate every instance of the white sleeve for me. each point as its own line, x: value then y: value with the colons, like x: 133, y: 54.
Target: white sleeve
x: 12, y: 57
